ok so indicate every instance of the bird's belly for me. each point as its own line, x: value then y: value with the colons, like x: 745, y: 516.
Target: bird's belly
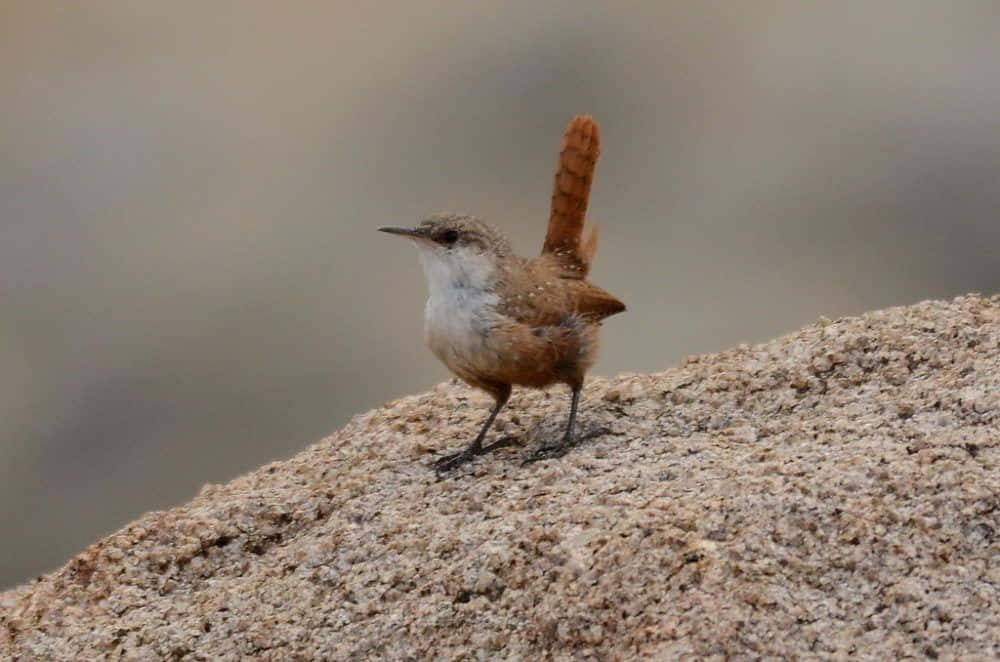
x: 457, y: 330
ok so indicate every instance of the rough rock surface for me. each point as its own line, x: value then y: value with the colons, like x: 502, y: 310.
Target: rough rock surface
x: 831, y: 493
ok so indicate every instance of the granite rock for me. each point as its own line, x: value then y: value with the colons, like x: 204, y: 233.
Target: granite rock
x: 832, y: 493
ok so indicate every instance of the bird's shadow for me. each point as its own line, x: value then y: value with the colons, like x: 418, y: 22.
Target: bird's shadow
x: 546, y: 451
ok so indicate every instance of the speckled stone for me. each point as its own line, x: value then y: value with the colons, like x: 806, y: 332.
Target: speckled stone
x: 833, y: 493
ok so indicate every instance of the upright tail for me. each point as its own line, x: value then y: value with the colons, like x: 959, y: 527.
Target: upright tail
x: 581, y: 145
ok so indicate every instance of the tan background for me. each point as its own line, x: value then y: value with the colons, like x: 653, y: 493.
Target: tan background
x: 191, y: 284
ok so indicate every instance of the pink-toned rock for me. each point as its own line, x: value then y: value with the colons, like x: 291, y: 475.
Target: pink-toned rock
x: 835, y: 492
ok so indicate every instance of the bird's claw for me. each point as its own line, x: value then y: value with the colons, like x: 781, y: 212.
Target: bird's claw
x: 449, y: 462
x: 455, y: 460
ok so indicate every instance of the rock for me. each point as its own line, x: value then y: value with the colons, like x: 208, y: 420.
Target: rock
x: 832, y: 493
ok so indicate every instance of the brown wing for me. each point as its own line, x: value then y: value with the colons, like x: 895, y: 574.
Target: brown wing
x: 581, y: 146
x: 536, y: 295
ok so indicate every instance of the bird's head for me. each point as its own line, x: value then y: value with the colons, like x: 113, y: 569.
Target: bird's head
x: 457, y: 251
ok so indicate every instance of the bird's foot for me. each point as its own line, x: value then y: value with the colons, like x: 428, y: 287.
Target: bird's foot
x: 455, y: 460
x: 552, y: 451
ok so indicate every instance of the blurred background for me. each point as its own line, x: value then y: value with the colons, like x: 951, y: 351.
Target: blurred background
x: 190, y: 279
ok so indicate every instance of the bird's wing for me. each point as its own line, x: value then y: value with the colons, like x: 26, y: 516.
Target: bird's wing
x: 540, y: 297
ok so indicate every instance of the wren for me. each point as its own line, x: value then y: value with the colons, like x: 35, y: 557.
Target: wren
x: 498, y: 320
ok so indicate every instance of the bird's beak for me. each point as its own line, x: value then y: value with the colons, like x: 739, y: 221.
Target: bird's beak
x: 405, y: 232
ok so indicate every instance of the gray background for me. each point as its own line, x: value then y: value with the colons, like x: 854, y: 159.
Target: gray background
x: 191, y: 283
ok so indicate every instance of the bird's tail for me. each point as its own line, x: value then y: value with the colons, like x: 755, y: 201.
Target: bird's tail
x: 581, y: 145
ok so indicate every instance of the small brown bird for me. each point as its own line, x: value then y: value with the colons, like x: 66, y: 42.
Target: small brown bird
x: 498, y: 320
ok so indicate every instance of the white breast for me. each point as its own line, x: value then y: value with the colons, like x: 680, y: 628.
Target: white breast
x: 456, y: 323
x: 461, y: 306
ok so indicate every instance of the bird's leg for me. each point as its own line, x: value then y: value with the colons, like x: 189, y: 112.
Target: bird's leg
x: 449, y: 462
x: 568, y: 437
x: 569, y: 440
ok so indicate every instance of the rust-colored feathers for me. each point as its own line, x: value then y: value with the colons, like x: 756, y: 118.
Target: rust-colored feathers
x: 581, y: 146
x: 565, y: 251
x: 553, y: 312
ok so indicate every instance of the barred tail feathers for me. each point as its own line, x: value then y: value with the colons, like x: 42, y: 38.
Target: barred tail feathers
x: 581, y: 147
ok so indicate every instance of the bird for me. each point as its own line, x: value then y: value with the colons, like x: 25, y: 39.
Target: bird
x: 497, y: 320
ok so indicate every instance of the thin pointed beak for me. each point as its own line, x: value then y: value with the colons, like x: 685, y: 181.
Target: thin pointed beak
x: 405, y: 232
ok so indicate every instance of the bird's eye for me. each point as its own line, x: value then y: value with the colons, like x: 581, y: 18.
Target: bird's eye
x: 450, y: 237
